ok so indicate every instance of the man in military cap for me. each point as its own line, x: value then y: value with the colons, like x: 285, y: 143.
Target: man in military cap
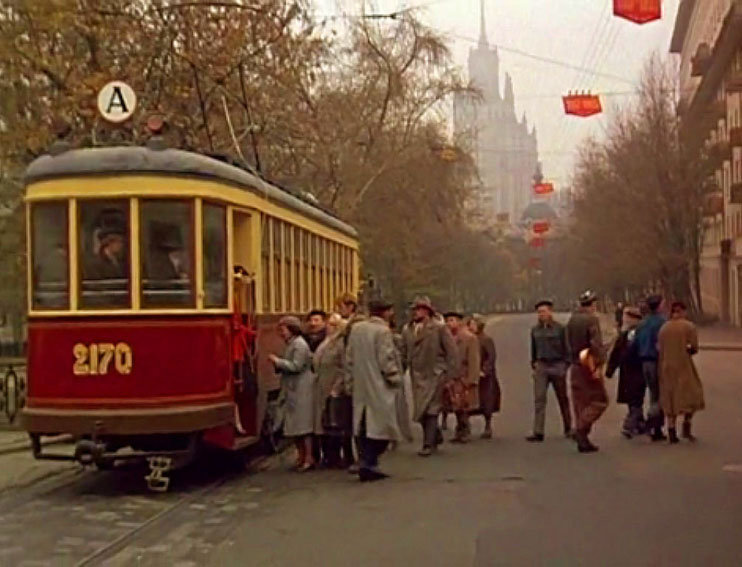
x: 167, y: 260
x: 586, y: 357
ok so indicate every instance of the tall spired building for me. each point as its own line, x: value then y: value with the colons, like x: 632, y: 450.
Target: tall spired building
x: 506, y: 152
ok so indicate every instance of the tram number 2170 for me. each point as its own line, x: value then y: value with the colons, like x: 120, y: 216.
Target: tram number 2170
x: 95, y: 359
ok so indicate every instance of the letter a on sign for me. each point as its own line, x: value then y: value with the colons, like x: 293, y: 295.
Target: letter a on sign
x: 117, y: 101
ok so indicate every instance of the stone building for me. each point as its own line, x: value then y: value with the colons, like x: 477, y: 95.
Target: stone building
x: 708, y: 40
x: 504, y: 147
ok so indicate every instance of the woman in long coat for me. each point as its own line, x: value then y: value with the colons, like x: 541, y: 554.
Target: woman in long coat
x: 332, y: 412
x: 681, y: 391
x: 298, y: 382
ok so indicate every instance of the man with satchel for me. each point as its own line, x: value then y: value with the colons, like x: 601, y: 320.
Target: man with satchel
x: 586, y: 357
x: 463, y: 390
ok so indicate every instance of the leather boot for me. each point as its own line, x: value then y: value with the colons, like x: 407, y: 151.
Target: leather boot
x: 672, y: 432
x: 583, y: 443
x: 687, y: 431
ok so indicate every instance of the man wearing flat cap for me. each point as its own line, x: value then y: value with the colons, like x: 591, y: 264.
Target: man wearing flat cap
x: 586, y: 356
x: 624, y: 357
x: 429, y: 353
x: 463, y: 391
x: 549, y: 360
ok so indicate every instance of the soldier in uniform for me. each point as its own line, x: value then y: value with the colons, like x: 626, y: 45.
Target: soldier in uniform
x: 464, y: 389
x: 586, y: 356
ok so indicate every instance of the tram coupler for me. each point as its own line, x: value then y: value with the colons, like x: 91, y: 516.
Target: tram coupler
x: 88, y: 452
x: 156, y: 479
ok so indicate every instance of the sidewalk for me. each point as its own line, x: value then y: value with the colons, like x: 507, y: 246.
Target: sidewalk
x: 712, y: 337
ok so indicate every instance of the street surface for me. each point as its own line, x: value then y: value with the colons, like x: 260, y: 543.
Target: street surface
x: 499, y: 502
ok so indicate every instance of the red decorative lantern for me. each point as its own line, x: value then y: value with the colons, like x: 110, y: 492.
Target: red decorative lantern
x: 543, y: 188
x: 537, y: 242
x: 582, y: 105
x: 638, y: 11
x: 540, y: 227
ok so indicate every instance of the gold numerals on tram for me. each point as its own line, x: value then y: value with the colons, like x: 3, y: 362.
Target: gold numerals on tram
x: 95, y: 359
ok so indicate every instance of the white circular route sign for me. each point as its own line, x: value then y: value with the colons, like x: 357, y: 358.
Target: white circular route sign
x: 117, y: 101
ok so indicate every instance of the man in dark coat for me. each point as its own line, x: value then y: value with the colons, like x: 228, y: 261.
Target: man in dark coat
x: 549, y: 360
x: 489, y: 388
x: 586, y: 356
x: 624, y: 357
x: 647, y: 333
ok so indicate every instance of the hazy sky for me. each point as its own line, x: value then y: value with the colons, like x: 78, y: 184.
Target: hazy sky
x: 580, y: 33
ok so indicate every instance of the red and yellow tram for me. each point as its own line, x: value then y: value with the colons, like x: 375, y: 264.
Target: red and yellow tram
x: 156, y: 277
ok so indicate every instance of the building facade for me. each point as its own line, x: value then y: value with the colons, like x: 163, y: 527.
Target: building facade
x: 708, y: 40
x: 505, y: 150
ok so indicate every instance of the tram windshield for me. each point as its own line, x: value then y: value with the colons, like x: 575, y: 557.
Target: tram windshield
x: 166, y: 251
x: 50, y: 255
x: 104, y: 253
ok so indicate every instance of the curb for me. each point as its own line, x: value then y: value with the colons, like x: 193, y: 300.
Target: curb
x: 721, y: 347
x: 26, y: 445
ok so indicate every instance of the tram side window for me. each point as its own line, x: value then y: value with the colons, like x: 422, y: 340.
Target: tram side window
x: 50, y: 255
x: 215, y: 256
x: 167, y: 253
x: 104, y: 254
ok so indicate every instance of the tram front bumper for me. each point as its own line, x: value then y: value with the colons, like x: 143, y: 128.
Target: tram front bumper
x: 147, y: 421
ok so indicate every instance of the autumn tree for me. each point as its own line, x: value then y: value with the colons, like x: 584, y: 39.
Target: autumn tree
x: 638, y: 220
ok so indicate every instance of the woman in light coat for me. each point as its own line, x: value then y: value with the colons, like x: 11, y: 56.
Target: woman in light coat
x: 333, y: 426
x: 297, y: 380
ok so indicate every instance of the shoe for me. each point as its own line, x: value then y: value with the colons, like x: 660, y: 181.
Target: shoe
x: 438, y: 437
x: 371, y: 475
x: 673, y: 434
x: 657, y: 435
x: 569, y: 433
x: 589, y: 448
x: 535, y: 438
x: 687, y: 432
x: 306, y: 467
x: 425, y: 451
x: 487, y: 434
x: 457, y: 439
x: 627, y: 434
x: 354, y: 468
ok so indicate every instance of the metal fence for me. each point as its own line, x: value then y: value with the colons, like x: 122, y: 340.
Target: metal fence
x: 12, y: 390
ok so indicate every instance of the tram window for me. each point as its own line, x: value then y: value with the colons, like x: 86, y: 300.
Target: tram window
x: 215, y: 255
x: 104, y: 254
x: 166, y: 251
x: 50, y: 255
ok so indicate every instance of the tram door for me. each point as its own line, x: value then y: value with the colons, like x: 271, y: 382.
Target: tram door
x: 244, y: 301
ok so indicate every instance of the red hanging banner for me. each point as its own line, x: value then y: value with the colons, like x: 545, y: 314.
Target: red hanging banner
x: 638, y: 11
x: 543, y: 188
x: 537, y: 242
x: 540, y: 227
x: 582, y: 105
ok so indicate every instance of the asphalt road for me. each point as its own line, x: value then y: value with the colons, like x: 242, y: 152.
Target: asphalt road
x: 499, y: 502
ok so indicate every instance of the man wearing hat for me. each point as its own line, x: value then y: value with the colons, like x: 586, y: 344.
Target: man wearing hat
x: 647, y: 333
x: 549, y: 360
x: 464, y: 389
x: 585, y: 348
x: 110, y: 260
x: 429, y: 353
x: 631, y: 385
x: 167, y: 260
x: 373, y: 378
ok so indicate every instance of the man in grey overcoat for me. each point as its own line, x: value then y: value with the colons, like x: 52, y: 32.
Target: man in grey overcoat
x: 373, y: 377
x: 430, y: 354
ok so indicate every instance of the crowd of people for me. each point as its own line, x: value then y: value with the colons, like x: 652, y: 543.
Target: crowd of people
x: 651, y: 353
x: 345, y: 375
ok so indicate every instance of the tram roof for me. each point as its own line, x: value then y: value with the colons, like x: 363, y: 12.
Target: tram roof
x: 139, y: 159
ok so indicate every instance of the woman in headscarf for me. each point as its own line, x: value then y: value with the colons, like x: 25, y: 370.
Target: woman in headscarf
x: 332, y: 407
x: 298, y: 382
